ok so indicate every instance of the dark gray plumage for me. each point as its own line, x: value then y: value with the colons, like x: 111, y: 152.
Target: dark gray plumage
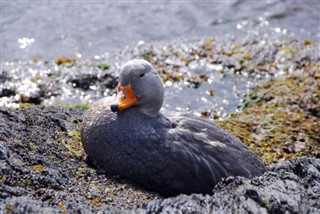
x: 172, y: 154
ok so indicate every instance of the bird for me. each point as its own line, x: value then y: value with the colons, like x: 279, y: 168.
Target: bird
x: 167, y: 152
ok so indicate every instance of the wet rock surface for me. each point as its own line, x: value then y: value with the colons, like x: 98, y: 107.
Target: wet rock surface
x: 43, y: 169
x: 292, y: 186
x: 41, y: 158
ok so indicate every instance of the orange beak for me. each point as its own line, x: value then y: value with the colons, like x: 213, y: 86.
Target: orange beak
x: 125, y: 98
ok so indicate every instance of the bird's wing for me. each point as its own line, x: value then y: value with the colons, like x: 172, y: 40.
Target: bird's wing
x: 226, y: 149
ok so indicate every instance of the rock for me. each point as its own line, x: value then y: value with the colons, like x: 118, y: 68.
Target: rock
x: 84, y: 82
x: 24, y: 205
x: 3, y: 152
x: 43, y: 163
x: 109, y: 81
x: 292, y: 186
x: 43, y: 170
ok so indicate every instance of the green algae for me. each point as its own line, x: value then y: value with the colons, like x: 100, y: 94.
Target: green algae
x: 73, y: 105
x: 280, y: 119
x: 103, y: 66
x: 75, y: 133
x: 73, y: 143
x: 147, y: 55
x: 26, y: 105
x: 287, y: 50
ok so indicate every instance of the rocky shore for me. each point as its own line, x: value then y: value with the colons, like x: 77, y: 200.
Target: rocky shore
x: 43, y: 167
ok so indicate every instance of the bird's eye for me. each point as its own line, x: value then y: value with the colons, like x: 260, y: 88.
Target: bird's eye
x: 141, y: 75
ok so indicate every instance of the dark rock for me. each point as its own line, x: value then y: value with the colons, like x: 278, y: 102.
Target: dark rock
x: 4, y: 76
x: 292, y: 187
x: 84, y: 82
x: 4, y: 154
x: 25, y: 205
x: 34, y: 100
x: 7, y: 92
x: 43, y: 171
x: 109, y: 81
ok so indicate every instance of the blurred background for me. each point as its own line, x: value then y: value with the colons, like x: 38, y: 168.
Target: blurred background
x: 48, y: 29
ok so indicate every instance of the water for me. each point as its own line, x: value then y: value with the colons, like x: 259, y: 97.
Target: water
x: 49, y: 29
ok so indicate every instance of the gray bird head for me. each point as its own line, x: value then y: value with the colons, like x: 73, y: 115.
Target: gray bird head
x: 139, y: 86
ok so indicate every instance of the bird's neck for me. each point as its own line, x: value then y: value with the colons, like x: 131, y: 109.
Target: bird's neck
x: 136, y: 112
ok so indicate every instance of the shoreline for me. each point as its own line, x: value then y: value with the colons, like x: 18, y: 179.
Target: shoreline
x: 43, y: 165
